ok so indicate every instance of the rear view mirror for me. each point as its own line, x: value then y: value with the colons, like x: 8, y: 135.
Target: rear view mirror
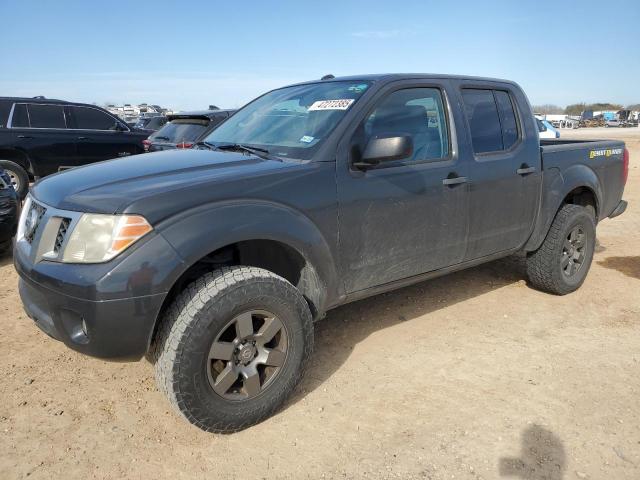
x: 385, y: 149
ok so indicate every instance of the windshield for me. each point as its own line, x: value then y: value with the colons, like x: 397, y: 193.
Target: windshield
x: 290, y: 122
x: 178, y: 131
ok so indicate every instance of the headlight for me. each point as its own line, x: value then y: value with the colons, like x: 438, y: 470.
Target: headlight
x: 98, y: 238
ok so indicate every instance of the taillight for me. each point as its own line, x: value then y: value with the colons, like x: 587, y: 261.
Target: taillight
x: 146, y: 143
x: 625, y: 166
x: 184, y: 145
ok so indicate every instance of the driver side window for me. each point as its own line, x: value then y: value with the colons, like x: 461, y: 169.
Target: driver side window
x: 414, y: 112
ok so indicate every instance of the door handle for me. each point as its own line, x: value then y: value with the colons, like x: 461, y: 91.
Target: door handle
x: 525, y: 170
x: 454, y: 181
x: 25, y: 136
x: 83, y: 138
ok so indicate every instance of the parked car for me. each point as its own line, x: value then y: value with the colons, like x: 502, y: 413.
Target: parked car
x: 9, y: 211
x: 615, y: 123
x: 546, y: 130
x: 40, y: 136
x: 216, y: 262
x: 150, y: 124
x: 184, y: 129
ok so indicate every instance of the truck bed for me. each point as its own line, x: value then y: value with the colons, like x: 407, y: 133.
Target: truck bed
x: 601, y: 159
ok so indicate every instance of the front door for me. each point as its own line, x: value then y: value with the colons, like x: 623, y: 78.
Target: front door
x: 399, y: 219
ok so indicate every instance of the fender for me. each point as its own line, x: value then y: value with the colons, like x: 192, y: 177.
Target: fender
x: 202, y: 230
x: 556, y: 185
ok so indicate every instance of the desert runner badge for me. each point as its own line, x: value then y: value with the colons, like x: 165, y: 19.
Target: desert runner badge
x: 341, y: 104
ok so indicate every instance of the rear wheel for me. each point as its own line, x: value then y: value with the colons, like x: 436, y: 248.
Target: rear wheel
x: 232, y: 347
x: 563, y: 260
x: 18, y: 175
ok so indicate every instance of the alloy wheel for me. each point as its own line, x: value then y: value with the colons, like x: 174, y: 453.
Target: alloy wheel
x: 247, y: 355
x: 573, y: 251
x: 15, y: 180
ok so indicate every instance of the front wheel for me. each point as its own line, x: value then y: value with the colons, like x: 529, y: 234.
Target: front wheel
x: 562, y: 262
x: 232, y: 347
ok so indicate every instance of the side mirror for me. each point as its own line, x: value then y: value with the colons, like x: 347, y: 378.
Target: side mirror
x: 385, y: 149
x: 118, y: 127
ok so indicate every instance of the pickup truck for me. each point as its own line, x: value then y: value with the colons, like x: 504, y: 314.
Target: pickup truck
x: 215, y: 262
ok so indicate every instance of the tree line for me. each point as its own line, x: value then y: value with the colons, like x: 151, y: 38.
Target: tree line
x: 578, y: 108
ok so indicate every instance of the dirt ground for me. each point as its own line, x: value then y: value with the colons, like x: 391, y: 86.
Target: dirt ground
x: 473, y: 376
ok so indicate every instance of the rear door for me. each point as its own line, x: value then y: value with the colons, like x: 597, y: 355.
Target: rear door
x: 40, y: 130
x: 101, y: 136
x: 504, y: 171
x: 399, y: 219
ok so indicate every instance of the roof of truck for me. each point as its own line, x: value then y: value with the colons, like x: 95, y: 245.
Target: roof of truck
x: 406, y: 76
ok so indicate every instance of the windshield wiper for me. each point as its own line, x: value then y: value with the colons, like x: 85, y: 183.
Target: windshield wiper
x: 206, y: 145
x: 258, y: 152
x: 162, y: 138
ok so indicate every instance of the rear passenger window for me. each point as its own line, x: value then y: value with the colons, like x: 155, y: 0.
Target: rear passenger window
x: 507, y: 119
x: 5, y: 108
x: 91, y: 119
x: 46, y: 116
x: 20, y: 117
x: 492, y: 119
x: 484, y: 122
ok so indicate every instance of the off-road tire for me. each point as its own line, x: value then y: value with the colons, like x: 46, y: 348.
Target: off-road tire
x: 544, y: 265
x: 20, y: 174
x: 191, y: 324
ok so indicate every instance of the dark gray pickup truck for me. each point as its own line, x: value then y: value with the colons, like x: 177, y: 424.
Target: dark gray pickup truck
x: 215, y: 262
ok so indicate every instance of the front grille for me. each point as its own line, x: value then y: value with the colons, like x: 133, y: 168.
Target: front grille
x: 62, y: 232
x: 33, y: 220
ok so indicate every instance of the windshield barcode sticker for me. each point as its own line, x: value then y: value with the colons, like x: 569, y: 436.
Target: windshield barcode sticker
x: 342, y: 104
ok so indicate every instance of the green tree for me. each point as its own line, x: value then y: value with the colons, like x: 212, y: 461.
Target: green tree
x: 575, y: 108
x: 547, y: 109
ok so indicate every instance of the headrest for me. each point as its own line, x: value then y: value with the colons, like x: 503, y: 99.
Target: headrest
x: 410, y: 120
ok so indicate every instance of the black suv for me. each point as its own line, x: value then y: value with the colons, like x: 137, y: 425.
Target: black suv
x: 40, y: 136
x: 184, y: 129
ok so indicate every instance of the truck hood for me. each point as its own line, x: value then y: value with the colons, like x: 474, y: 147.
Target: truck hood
x: 114, y: 185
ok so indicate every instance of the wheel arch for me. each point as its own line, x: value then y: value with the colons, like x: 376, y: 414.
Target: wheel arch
x: 577, y: 185
x: 273, y: 237
x: 17, y: 156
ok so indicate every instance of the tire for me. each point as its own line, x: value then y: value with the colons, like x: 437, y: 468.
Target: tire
x: 560, y: 265
x: 4, y: 247
x: 18, y: 175
x: 192, y: 374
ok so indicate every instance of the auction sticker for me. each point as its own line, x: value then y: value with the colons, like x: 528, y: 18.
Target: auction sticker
x: 341, y: 104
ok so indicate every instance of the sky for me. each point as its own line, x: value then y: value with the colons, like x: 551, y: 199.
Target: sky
x: 190, y: 54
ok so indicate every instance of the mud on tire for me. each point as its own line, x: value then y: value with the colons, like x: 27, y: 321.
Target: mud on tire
x: 194, y: 324
x: 562, y: 262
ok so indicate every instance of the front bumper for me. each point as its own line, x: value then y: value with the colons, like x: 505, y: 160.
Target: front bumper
x: 107, y: 310
x: 110, y: 329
